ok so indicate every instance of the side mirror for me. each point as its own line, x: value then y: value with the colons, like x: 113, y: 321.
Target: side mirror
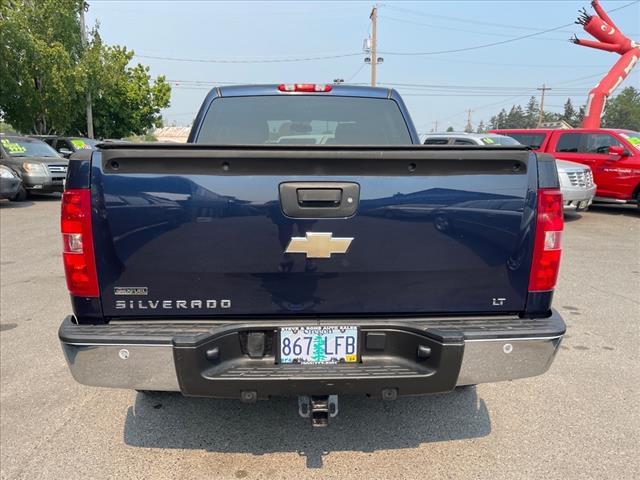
x: 618, y: 151
x: 65, y: 152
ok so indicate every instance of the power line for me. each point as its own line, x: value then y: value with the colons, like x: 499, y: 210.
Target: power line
x: 429, y: 93
x: 514, y: 97
x: 462, y: 20
x: 493, y: 44
x: 476, y: 47
x: 465, y: 87
x: 479, y: 22
x: 356, y: 73
x: 454, y: 29
x: 356, y: 54
x: 475, y: 95
x: 247, y: 60
x: 448, y: 86
x: 510, y: 65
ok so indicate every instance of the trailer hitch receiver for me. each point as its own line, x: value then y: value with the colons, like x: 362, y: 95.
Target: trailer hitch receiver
x: 319, y: 408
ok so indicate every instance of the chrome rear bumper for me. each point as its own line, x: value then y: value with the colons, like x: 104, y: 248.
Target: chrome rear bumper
x: 124, y: 360
x: 139, y: 367
x: 487, y: 361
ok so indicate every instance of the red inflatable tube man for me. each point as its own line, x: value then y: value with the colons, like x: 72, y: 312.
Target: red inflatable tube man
x: 611, y: 39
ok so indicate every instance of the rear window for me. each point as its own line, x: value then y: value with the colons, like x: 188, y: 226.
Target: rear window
x: 594, y: 143
x: 436, y: 141
x: 499, y: 140
x: 304, y: 119
x: 532, y: 140
x: 569, y: 142
x: 600, y: 143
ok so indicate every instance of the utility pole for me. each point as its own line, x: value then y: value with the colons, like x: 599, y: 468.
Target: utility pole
x: 435, y: 126
x: 543, y: 90
x: 469, y: 127
x: 83, y: 8
x: 374, y: 47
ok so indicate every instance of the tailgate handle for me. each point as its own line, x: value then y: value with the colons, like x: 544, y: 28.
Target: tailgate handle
x: 319, y: 199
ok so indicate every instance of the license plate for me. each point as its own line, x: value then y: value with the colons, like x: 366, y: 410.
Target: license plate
x: 319, y: 345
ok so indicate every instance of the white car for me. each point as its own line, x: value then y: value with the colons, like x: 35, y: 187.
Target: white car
x: 576, y: 180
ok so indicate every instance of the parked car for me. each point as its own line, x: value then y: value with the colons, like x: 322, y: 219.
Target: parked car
x: 40, y: 167
x: 612, y: 154
x: 10, y: 182
x: 267, y: 269
x: 576, y: 183
x: 576, y: 180
x: 67, y: 146
x: 454, y: 138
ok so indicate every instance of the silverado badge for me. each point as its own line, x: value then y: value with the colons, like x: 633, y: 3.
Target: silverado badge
x: 130, y: 291
x: 318, y: 245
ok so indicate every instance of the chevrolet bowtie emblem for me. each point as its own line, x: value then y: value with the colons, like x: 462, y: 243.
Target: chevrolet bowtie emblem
x: 318, y: 245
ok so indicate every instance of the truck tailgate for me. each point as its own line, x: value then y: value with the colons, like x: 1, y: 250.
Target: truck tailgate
x: 195, y: 230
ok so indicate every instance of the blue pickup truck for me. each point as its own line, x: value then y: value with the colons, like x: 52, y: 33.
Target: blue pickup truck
x: 303, y: 243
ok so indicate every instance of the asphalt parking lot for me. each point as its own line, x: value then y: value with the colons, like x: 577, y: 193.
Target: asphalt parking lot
x: 579, y: 420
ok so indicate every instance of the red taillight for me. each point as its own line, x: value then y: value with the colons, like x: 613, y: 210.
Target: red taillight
x: 77, y: 243
x: 304, y: 87
x: 548, y: 241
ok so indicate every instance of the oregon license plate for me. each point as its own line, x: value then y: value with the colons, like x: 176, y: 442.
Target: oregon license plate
x: 326, y: 344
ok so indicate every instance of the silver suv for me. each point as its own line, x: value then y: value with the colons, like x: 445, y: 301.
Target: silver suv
x: 39, y: 166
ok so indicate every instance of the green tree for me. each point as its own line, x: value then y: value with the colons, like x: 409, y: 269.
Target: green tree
x: 125, y: 102
x: 481, y: 127
x: 551, y: 117
x: 579, y: 116
x: 6, y: 128
x: 41, y: 47
x: 449, y: 128
x: 528, y: 117
x: 499, y: 120
x: 623, y: 111
x: 569, y: 112
x: 517, y: 118
x: 532, y: 113
x: 45, y: 72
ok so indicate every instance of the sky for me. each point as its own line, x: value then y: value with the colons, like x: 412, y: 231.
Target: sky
x: 197, y: 45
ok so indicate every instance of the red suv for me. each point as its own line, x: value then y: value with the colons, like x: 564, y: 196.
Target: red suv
x: 612, y: 154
